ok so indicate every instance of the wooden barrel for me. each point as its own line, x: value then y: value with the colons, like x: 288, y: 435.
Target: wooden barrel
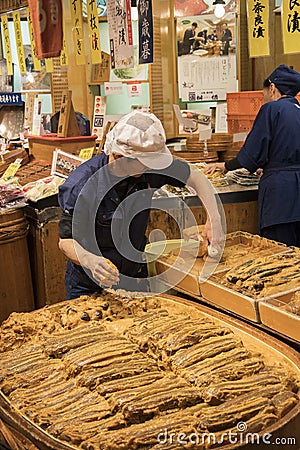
x: 16, y: 293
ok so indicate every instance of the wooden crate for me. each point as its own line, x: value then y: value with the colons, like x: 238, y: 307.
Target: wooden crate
x: 48, y: 264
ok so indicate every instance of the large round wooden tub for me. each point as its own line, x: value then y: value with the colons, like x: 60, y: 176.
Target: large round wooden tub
x: 151, y: 373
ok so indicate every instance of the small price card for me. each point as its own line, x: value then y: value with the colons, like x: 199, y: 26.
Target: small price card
x: 11, y: 170
x: 86, y: 153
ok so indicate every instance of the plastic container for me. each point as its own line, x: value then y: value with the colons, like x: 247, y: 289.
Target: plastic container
x: 239, y: 123
x: 247, y: 102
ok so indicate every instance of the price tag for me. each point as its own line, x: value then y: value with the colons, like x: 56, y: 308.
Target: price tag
x: 86, y: 153
x: 11, y: 170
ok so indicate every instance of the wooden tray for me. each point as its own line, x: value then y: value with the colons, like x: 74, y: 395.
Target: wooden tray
x: 187, y: 281
x: 274, y: 316
x: 273, y: 350
x: 230, y: 300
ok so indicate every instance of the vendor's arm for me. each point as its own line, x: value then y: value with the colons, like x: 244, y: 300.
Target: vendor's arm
x: 213, y: 232
x: 103, y: 270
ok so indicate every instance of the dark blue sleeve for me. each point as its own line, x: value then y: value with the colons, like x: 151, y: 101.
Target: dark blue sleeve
x: 255, y: 152
x: 69, y: 191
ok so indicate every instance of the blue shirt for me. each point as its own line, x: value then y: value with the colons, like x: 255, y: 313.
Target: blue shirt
x: 273, y: 144
x: 107, y: 215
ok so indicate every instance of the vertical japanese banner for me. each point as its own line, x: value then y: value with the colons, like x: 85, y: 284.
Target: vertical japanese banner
x: 64, y: 56
x: 8, y: 55
x: 120, y: 34
x: 145, y: 21
x: 94, y: 35
x: 36, y: 61
x: 19, y: 41
x: 77, y: 27
x: 49, y: 65
x: 258, y: 28
x: 290, y: 17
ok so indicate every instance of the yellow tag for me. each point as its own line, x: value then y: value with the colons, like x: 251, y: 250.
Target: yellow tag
x: 86, y: 153
x: 11, y: 170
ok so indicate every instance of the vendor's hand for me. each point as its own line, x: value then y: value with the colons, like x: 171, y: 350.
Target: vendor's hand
x: 211, y: 168
x: 103, y: 271
x: 260, y: 172
x: 193, y: 232
x: 213, y: 236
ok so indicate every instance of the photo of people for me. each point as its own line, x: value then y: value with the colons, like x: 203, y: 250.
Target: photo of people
x: 206, y: 56
x: 34, y: 79
x: 63, y: 164
x: 201, y: 36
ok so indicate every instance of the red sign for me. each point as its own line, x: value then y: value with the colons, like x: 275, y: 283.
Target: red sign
x: 46, y: 16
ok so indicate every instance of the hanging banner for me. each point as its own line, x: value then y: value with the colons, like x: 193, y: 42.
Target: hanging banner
x: 94, y: 35
x: 36, y: 61
x: 145, y: 21
x: 120, y: 34
x: 77, y: 27
x: 258, y: 28
x: 19, y: 41
x: 290, y: 17
x: 46, y: 19
x: 49, y: 65
x: 8, y: 54
x: 29, y: 106
x: 37, y: 117
x: 64, y: 58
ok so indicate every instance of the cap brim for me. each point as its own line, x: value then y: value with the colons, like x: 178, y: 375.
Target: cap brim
x: 156, y: 160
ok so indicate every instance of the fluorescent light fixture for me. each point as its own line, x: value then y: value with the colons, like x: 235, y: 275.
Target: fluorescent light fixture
x: 219, y: 8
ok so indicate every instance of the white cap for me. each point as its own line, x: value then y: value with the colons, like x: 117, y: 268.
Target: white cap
x: 141, y: 136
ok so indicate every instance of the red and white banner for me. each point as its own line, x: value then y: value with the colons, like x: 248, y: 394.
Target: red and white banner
x: 46, y: 16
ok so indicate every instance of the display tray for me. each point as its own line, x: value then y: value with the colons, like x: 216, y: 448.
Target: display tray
x: 276, y: 357
x: 276, y: 314
x: 239, y: 246
x: 243, y: 296
x: 243, y: 305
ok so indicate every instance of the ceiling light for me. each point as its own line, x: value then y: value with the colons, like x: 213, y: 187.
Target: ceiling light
x: 219, y: 8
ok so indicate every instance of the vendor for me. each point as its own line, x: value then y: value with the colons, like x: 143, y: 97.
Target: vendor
x: 105, y: 206
x: 273, y: 147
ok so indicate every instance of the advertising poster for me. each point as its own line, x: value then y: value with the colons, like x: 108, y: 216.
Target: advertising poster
x: 206, y: 56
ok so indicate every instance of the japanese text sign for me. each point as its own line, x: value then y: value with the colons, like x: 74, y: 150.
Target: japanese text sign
x: 258, y: 27
x: 94, y: 34
x: 8, y: 53
x: 120, y: 34
x: 291, y: 25
x: 77, y: 26
x: 19, y: 41
x: 145, y: 20
x: 36, y: 61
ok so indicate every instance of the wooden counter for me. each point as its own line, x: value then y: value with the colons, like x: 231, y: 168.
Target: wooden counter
x: 42, y: 147
x: 169, y: 215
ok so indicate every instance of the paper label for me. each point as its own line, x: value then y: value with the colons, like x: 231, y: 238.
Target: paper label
x: 86, y: 153
x: 11, y: 170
